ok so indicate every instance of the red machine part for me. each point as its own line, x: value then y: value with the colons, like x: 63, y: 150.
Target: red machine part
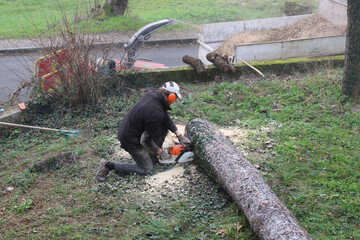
x: 147, y: 65
x: 176, y: 149
x: 47, y: 67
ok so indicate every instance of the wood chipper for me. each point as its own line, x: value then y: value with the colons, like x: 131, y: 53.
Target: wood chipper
x: 47, y: 67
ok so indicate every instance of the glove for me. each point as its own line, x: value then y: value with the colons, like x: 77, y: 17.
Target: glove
x: 183, y: 140
x: 164, y: 155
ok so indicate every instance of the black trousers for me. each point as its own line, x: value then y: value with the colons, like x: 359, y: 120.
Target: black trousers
x: 143, y: 157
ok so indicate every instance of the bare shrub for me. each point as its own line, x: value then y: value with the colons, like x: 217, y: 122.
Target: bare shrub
x: 71, y: 77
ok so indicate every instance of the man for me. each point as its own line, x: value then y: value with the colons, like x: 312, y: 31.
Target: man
x: 143, y: 131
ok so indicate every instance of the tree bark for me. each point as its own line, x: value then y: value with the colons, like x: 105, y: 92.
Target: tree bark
x: 351, y: 80
x: 197, y: 64
x: 116, y: 7
x: 267, y: 215
x: 222, y: 62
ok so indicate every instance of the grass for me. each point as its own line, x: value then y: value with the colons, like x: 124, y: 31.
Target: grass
x: 312, y: 166
x: 18, y: 18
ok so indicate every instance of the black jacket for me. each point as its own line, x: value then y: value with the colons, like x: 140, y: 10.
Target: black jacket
x: 148, y: 114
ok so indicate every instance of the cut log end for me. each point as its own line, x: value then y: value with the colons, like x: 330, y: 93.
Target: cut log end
x: 222, y: 62
x: 197, y: 64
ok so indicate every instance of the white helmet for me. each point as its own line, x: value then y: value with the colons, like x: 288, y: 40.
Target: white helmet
x: 173, y: 88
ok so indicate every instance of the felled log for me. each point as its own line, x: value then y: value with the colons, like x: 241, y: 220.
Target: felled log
x: 222, y: 62
x: 267, y: 215
x: 197, y: 64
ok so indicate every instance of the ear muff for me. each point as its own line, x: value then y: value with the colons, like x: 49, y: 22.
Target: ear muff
x: 172, y: 97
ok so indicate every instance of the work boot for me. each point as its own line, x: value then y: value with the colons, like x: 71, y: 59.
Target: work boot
x: 102, y: 173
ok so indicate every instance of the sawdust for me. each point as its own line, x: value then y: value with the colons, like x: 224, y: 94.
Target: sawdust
x: 171, y: 177
x: 172, y: 181
x: 237, y: 136
x: 311, y: 27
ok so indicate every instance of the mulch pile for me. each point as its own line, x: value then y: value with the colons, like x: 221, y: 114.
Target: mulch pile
x: 311, y: 27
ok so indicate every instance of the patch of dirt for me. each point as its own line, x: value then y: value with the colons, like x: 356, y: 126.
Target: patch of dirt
x: 237, y: 136
x: 311, y: 27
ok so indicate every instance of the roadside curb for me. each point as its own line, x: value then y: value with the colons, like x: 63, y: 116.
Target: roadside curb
x: 117, y: 44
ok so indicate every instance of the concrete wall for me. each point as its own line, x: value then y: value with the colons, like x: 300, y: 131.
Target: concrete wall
x: 213, y: 35
x: 218, y: 32
x: 291, y: 49
x: 334, y: 11
x: 282, y: 50
x: 11, y: 115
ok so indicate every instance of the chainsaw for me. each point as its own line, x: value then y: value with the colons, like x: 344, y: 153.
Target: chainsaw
x: 180, y: 154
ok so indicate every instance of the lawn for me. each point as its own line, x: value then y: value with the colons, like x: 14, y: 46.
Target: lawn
x: 23, y: 19
x: 313, y: 166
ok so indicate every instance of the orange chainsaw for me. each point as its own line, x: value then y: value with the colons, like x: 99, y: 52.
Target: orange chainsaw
x: 180, y: 154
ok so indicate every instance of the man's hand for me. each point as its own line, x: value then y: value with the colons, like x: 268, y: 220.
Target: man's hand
x: 164, y: 155
x: 183, y: 140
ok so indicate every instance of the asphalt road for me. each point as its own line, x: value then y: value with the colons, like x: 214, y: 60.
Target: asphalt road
x: 17, y: 68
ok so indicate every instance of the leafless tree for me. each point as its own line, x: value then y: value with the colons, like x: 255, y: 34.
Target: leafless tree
x: 351, y: 80
x: 116, y: 7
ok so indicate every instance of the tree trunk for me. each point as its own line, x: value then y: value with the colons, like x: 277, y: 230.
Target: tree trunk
x: 267, y: 215
x: 195, y: 63
x: 221, y: 62
x: 115, y: 7
x: 351, y: 80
